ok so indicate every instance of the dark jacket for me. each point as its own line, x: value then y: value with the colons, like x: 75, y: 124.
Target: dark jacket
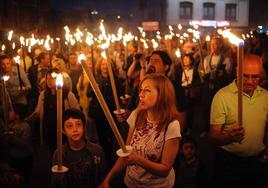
x: 87, y: 171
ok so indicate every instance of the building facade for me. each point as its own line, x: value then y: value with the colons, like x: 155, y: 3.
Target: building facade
x: 208, y: 13
x: 23, y: 15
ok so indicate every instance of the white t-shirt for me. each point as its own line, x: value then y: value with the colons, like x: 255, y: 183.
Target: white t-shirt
x: 149, y: 142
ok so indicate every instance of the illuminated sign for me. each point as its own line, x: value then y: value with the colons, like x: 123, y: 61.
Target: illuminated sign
x: 150, y: 26
x: 210, y: 23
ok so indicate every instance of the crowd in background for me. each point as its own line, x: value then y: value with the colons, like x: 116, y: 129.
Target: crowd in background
x: 28, y: 109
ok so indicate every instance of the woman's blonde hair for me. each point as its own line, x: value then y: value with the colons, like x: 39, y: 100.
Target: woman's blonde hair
x: 165, y: 107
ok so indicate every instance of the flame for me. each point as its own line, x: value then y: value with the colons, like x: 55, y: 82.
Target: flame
x: 22, y: 41
x: 105, y: 45
x: 3, y: 47
x: 196, y: 26
x: 103, y: 54
x: 140, y: 29
x: 232, y: 38
x: 178, y: 53
x: 59, y: 81
x: 127, y: 37
x: 119, y: 33
x: 78, y: 35
x: 13, y: 45
x: 207, y: 38
x: 143, y: 34
x: 5, y: 78
x: 155, y: 44
x: 54, y: 75
x: 102, y: 29
x: 179, y: 27
x: 29, y: 49
x: 10, y: 34
x: 89, y: 39
x: 81, y: 57
x: 17, y: 59
x: 47, y: 46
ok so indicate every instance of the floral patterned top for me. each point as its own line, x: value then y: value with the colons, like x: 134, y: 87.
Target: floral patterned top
x: 149, y: 142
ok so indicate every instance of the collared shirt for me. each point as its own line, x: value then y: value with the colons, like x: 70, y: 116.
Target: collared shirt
x: 187, y: 77
x: 255, y: 114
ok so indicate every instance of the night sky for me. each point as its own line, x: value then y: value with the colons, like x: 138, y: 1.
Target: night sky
x: 114, y: 6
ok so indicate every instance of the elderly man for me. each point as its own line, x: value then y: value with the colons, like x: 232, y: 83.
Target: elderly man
x: 242, y: 148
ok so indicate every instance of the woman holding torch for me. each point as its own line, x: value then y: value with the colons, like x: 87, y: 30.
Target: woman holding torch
x: 154, y: 134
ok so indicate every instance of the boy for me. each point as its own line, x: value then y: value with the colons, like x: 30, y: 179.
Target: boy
x: 84, y: 159
x: 191, y: 172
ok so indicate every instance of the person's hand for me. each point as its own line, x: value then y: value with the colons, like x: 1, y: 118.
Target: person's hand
x: 142, y: 62
x: 104, y: 184
x: 236, y: 133
x: 122, y: 116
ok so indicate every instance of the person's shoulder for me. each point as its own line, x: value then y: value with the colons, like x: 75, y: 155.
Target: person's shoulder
x: 263, y: 92
x: 230, y: 88
x: 132, y: 117
x: 175, y: 122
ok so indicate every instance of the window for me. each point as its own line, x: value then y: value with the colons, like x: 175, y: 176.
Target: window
x: 230, y: 12
x: 186, y: 10
x: 209, y: 11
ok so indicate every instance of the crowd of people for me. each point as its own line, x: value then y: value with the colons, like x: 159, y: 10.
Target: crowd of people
x: 173, y: 107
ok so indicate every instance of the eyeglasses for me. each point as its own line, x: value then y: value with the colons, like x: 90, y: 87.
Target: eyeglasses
x: 253, y: 77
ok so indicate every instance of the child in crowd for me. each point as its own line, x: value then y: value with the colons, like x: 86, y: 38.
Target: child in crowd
x: 190, y: 172
x: 19, y: 140
x: 84, y: 159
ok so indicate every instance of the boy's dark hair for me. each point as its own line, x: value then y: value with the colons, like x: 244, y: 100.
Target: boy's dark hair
x: 74, y: 113
x: 188, y: 140
x: 21, y: 110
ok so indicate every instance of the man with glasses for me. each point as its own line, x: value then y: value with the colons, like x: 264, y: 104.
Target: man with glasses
x: 241, y: 158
